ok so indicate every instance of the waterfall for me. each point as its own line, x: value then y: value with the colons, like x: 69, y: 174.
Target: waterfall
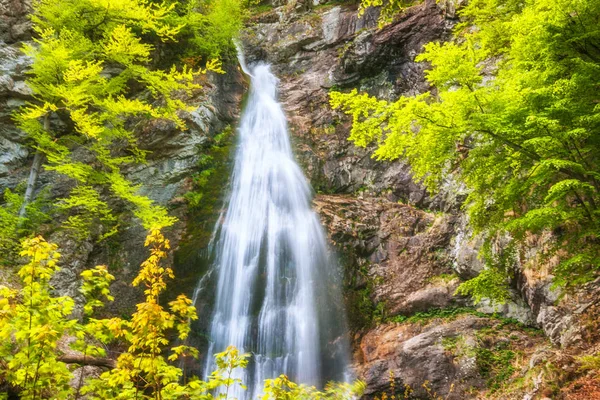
x: 278, y: 291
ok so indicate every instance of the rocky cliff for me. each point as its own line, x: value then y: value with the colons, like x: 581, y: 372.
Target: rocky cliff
x: 403, y: 251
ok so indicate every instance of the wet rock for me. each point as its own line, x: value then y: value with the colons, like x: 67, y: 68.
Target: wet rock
x: 465, y: 251
x: 74, y: 259
x: 313, y: 52
x: 13, y: 94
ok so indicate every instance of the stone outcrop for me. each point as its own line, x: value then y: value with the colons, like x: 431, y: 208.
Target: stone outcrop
x: 316, y: 51
x: 14, y: 20
x: 384, y: 238
x: 13, y: 94
x: 451, y: 358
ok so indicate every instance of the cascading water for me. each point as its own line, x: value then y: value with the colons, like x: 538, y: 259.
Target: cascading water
x: 278, y: 294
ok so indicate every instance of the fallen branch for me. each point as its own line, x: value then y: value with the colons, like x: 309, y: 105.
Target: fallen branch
x: 86, y: 360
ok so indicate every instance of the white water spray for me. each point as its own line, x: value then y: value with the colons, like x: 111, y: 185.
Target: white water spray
x: 278, y: 294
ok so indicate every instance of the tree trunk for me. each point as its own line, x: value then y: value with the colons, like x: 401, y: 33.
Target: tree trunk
x: 33, y: 173
x: 87, y: 360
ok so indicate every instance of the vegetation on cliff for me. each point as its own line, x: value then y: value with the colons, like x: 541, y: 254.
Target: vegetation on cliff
x: 99, y: 70
x: 513, y: 113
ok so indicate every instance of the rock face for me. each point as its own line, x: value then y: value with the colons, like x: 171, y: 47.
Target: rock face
x: 14, y: 28
x: 401, y: 248
x: 404, y: 252
x: 448, y: 357
x: 314, y: 52
x: 14, y: 22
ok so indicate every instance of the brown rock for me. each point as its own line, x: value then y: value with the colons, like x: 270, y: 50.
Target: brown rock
x: 404, y: 249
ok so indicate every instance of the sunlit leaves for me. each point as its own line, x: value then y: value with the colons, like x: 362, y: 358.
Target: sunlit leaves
x: 515, y: 117
x: 33, y: 321
x: 281, y: 388
x: 125, y: 47
x: 453, y: 65
x: 85, y: 57
x: 95, y: 287
x: 388, y: 9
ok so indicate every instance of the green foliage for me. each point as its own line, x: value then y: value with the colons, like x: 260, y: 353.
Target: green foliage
x: 515, y: 116
x: 207, y: 28
x: 13, y: 227
x: 208, y: 166
x: 200, y: 181
x: 367, y: 311
x: 9, y: 226
x: 256, y: 8
x: 443, y: 278
x: 444, y: 313
x: 451, y: 313
x: 95, y: 287
x: 452, y: 343
x: 33, y: 321
x: 389, y: 9
x: 589, y: 362
x: 490, y: 283
x: 85, y: 200
x: 213, y: 29
x: 90, y: 59
x: 282, y: 388
x: 496, y: 365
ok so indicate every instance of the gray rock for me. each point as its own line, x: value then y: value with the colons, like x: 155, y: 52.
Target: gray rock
x: 14, y: 21
x: 465, y: 251
x: 516, y: 308
x: 414, y: 355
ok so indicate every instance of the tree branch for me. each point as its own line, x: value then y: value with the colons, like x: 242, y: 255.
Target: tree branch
x: 87, y: 360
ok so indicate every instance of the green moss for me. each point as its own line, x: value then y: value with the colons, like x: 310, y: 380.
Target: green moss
x: 257, y: 9
x: 453, y: 344
x: 452, y: 313
x: 363, y: 311
x: 495, y: 364
x: 442, y: 278
x: 204, y: 202
x: 333, y: 3
x: 443, y: 313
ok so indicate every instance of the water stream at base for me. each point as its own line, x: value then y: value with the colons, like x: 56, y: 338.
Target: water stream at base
x: 278, y: 291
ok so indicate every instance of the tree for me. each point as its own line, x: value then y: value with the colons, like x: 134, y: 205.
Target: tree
x: 33, y: 321
x: 207, y: 29
x: 92, y: 77
x: 515, y: 115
